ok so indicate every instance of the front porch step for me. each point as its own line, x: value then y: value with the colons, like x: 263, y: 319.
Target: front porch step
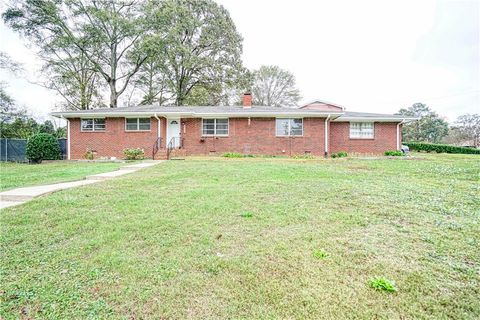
x: 161, y: 155
x: 178, y: 153
x: 175, y: 154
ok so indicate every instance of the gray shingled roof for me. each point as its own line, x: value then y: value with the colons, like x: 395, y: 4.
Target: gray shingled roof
x: 195, y: 109
x: 199, y: 111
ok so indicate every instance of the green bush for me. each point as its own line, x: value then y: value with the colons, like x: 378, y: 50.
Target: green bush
x: 382, y: 284
x: 232, y: 155
x: 42, y: 146
x: 134, y: 154
x: 440, y: 148
x: 246, y: 215
x: 394, y: 153
x: 340, y: 154
x: 320, y: 254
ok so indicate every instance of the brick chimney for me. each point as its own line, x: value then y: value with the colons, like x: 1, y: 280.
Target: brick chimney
x: 247, y: 100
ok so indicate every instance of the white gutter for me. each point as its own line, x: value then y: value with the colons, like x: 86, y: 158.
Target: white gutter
x: 68, y: 136
x: 111, y: 114
x: 326, y: 135
x: 195, y: 115
x: 398, y: 134
x: 368, y: 119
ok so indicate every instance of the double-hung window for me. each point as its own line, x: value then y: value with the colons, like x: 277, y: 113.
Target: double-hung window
x: 93, y: 124
x: 137, y: 124
x: 361, y: 130
x: 289, y: 127
x: 215, y: 127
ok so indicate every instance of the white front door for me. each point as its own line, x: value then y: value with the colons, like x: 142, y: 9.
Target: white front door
x: 173, y: 132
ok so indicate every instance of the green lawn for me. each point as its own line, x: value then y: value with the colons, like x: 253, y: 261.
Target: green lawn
x: 252, y: 239
x: 15, y: 175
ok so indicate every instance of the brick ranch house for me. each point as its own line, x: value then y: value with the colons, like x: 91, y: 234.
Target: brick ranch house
x: 318, y: 128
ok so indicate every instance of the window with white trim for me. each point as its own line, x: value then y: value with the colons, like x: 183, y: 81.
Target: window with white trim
x: 95, y: 124
x: 215, y: 127
x: 137, y: 124
x: 289, y: 127
x: 361, y: 130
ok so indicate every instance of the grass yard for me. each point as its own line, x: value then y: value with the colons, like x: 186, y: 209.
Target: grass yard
x: 16, y: 175
x: 252, y: 239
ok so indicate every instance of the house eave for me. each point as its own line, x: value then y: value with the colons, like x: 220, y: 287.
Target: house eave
x: 268, y: 114
x: 67, y: 115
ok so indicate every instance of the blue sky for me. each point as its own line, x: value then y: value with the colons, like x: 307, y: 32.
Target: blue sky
x: 372, y: 56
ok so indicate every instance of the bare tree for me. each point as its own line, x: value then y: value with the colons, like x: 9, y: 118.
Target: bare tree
x: 7, y: 63
x: 273, y: 86
x: 469, y: 127
x: 71, y: 74
x: 151, y: 81
x: 8, y: 107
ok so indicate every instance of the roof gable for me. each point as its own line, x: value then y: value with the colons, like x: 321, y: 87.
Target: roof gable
x: 321, y: 105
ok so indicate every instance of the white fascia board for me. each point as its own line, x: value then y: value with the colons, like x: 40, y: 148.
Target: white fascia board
x: 118, y: 114
x: 357, y: 119
x: 262, y: 115
x: 194, y: 114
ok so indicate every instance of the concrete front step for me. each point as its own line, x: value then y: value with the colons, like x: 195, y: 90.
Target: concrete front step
x: 161, y: 155
x: 175, y: 153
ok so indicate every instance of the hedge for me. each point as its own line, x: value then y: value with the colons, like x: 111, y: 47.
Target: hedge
x: 440, y: 148
x: 394, y: 153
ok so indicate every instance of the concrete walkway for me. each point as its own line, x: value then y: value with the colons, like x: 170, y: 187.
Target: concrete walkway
x: 18, y: 196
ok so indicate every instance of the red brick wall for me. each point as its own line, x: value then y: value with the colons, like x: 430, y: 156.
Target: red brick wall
x: 385, y: 138
x: 112, y: 141
x: 257, y: 138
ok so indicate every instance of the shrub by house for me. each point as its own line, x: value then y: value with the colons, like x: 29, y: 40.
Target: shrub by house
x: 42, y: 146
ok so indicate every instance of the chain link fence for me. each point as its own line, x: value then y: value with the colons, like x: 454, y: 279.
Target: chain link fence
x: 15, y: 149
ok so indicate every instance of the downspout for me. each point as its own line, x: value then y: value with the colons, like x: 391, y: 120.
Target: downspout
x: 326, y: 135
x: 68, y: 137
x: 158, y: 126
x: 398, y: 133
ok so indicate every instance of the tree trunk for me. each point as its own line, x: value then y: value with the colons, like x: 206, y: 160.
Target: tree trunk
x: 113, y: 94
x: 179, y: 100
